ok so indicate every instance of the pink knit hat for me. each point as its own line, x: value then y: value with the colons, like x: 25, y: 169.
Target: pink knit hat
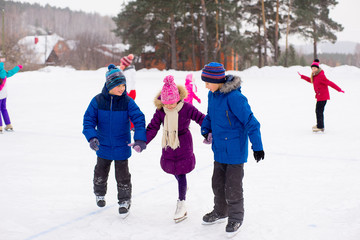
x: 127, y: 60
x: 315, y: 63
x: 169, y: 93
x: 189, y: 78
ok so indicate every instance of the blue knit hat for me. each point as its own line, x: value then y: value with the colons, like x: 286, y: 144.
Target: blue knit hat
x: 213, y: 73
x: 114, y: 77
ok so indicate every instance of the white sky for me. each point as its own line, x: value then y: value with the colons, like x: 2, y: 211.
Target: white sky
x: 344, y: 13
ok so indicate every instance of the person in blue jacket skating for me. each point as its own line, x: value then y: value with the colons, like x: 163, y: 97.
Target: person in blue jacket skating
x: 107, y: 129
x: 228, y: 125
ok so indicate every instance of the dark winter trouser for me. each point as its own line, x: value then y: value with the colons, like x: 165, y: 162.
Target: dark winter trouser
x: 182, y: 186
x: 320, y: 107
x: 122, y: 176
x: 228, y: 190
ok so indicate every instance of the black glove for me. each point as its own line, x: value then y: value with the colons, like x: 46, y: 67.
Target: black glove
x: 259, y: 155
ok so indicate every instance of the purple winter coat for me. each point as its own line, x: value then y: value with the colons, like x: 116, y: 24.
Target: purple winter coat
x: 182, y: 159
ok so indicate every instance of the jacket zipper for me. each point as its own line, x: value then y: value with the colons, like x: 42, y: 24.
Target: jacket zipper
x: 227, y: 115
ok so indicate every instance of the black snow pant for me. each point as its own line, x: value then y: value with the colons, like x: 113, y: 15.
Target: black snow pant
x: 320, y: 107
x: 122, y: 176
x: 228, y: 190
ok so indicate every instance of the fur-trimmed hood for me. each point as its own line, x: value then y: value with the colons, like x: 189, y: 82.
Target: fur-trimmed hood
x: 182, y: 91
x: 232, y: 83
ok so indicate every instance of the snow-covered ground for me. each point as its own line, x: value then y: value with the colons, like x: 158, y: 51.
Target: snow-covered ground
x: 306, y: 188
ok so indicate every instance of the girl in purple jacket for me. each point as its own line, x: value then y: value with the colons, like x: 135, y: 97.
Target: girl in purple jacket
x: 177, y: 147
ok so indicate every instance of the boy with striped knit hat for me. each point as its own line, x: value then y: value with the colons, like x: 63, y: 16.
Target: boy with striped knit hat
x: 107, y: 129
x: 228, y: 125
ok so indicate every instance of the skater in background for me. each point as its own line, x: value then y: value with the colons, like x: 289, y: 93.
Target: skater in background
x: 227, y: 126
x: 130, y: 75
x: 320, y: 83
x: 4, y: 75
x: 107, y: 129
x: 191, y: 89
x: 177, y: 156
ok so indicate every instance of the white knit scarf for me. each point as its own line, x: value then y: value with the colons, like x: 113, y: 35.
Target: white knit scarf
x: 171, y: 123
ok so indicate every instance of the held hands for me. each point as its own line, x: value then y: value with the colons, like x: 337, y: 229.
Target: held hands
x: 94, y: 144
x: 208, y: 138
x: 259, y: 155
x: 138, y: 145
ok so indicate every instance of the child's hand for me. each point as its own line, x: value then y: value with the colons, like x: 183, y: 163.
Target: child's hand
x: 208, y: 138
x: 299, y: 74
x: 342, y: 91
x: 138, y: 145
x: 259, y: 155
x: 20, y: 66
x: 94, y: 144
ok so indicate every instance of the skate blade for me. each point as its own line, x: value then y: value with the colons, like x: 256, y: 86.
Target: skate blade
x: 177, y: 220
x: 232, y: 234
x: 180, y: 219
x: 318, y: 132
x: 124, y: 215
x: 221, y: 220
x: 9, y: 130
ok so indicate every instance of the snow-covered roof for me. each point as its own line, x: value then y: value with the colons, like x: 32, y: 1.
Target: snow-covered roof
x: 42, y: 49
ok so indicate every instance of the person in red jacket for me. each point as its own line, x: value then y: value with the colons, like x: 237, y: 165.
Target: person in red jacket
x: 320, y: 83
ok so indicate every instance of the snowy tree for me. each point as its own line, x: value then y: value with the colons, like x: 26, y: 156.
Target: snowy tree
x: 313, y: 22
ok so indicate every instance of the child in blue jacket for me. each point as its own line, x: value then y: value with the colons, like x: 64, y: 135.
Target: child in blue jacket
x: 107, y: 129
x: 228, y: 125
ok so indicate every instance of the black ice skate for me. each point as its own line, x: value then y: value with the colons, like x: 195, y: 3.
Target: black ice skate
x: 232, y: 228
x: 213, y: 217
x: 124, y: 208
x: 100, y: 201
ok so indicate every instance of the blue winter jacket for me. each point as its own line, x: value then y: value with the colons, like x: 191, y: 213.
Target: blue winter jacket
x: 231, y: 121
x: 108, y: 119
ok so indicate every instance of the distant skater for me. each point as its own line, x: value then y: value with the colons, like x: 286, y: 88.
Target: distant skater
x: 320, y: 83
x: 3, y: 95
x: 129, y: 72
x: 191, y: 89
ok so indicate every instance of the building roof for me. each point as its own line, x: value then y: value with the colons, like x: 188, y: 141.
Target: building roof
x: 42, y: 48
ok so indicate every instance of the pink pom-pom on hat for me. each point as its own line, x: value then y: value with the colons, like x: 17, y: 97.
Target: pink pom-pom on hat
x: 169, y: 93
